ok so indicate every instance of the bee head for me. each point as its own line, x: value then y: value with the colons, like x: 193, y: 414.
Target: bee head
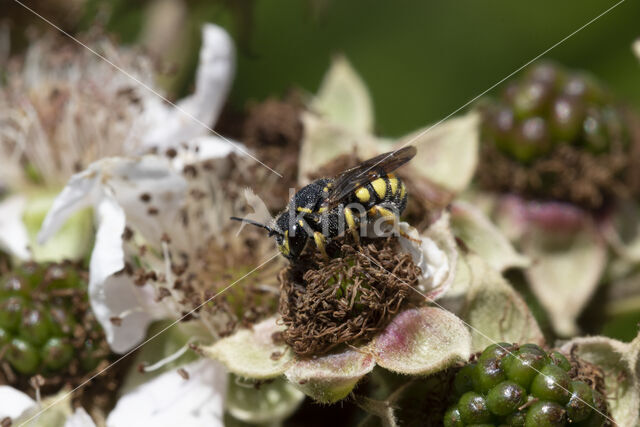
x: 291, y: 238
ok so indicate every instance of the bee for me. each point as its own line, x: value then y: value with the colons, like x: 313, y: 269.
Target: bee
x: 320, y: 210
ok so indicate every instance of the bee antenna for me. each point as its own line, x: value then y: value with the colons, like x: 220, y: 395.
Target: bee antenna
x: 257, y: 224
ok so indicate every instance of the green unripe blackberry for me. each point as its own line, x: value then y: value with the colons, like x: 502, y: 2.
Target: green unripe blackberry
x: 473, y: 408
x: 549, y: 126
x: 452, y: 418
x: 46, y: 327
x: 546, y: 414
x: 523, y: 386
x: 463, y: 381
x: 506, y: 398
x: 523, y: 365
x: 552, y: 383
x: 580, y: 402
x: 488, y: 374
x: 558, y: 359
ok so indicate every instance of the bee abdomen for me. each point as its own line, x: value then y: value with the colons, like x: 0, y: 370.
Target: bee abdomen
x: 389, y: 190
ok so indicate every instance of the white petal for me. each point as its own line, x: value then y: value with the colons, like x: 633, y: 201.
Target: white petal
x: 13, y: 234
x: 166, y: 126
x: 435, y: 255
x: 113, y: 187
x: 111, y: 296
x: 13, y: 402
x: 170, y: 400
x: 207, y: 147
x: 78, y: 194
x: 80, y: 418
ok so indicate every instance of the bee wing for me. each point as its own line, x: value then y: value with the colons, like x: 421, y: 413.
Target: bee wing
x: 365, y: 172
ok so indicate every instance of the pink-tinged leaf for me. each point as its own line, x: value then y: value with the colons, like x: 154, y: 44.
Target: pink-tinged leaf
x: 516, y: 216
x: 620, y: 363
x: 484, y: 238
x: 252, y: 353
x: 494, y: 310
x: 330, y: 378
x: 422, y: 341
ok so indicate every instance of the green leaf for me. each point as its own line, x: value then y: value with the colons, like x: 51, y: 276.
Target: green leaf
x: 422, y: 341
x: 566, y: 269
x: 623, y: 233
x: 620, y: 363
x: 447, y: 151
x: 343, y: 98
x: 494, y: 309
x: 484, y: 238
x: 330, y: 378
x: 324, y: 140
x: 268, y: 402
x: 252, y: 353
x: 72, y: 241
x: 58, y: 410
x: 167, y: 343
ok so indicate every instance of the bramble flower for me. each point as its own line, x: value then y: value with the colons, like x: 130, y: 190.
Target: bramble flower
x: 62, y: 107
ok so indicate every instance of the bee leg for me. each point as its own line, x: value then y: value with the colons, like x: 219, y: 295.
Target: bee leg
x: 319, y: 239
x: 383, y: 212
x: 386, y: 214
x: 389, y: 216
x: 351, y: 223
x: 406, y: 236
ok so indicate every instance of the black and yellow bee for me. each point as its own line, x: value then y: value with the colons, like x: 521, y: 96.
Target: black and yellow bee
x: 322, y: 208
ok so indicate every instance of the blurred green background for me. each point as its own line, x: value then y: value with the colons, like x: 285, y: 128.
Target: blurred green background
x: 421, y: 59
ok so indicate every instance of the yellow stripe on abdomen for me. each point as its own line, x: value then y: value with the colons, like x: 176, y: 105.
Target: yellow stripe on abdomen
x: 380, y: 186
x: 393, y: 182
x: 363, y: 195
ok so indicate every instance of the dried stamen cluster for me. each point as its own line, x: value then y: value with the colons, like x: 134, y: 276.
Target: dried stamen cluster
x: 346, y: 299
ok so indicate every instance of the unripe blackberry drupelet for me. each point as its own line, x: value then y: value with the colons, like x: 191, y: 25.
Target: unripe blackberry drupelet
x: 46, y: 327
x: 511, y: 385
